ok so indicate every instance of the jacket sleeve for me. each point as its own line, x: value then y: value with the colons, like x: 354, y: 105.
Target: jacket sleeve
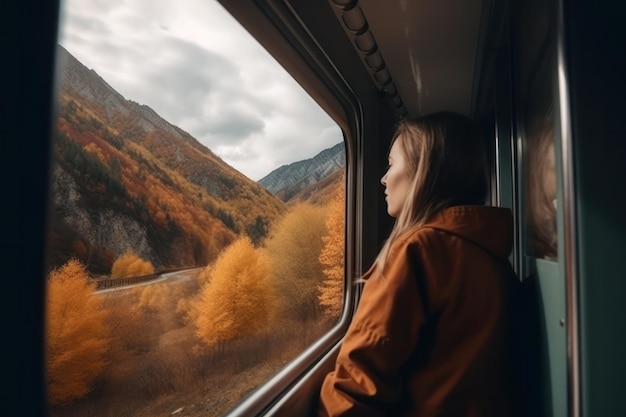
x: 367, y: 380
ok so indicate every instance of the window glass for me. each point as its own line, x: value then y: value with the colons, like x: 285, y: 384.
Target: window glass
x: 541, y: 195
x: 535, y: 64
x: 196, y: 237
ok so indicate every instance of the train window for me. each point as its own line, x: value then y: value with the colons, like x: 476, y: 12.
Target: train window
x: 544, y: 301
x: 196, y: 234
x: 541, y: 195
x: 535, y: 80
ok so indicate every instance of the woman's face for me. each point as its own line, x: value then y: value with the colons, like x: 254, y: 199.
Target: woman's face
x: 396, y: 180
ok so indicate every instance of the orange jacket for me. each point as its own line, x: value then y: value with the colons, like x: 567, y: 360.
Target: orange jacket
x: 429, y: 337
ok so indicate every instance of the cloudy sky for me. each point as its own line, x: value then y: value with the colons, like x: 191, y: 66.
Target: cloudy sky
x: 192, y: 63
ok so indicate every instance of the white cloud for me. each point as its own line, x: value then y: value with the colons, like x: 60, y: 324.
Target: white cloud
x: 195, y: 65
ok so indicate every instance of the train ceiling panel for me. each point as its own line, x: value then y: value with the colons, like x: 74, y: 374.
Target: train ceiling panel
x: 421, y: 54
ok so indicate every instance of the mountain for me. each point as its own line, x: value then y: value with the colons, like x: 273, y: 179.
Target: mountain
x: 123, y: 178
x: 288, y: 181
x: 323, y: 191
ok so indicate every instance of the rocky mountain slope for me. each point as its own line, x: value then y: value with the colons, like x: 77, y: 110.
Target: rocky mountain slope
x: 123, y: 178
x: 289, y: 180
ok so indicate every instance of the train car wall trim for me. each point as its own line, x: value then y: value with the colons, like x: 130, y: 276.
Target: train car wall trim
x: 569, y: 230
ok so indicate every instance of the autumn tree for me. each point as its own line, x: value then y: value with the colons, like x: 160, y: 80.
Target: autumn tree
x: 153, y: 297
x: 130, y: 264
x: 236, y: 299
x: 258, y: 230
x: 332, y: 258
x: 77, y: 339
x: 294, y: 248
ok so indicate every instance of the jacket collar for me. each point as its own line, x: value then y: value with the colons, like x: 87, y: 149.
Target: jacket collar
x: 488, y: 227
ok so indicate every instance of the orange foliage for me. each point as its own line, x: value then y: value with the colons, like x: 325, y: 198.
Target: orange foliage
x: 131, y: 265
x: 77, y: 339
x: 204, y: 276
x: 294, y: 248
x: 332, y: 257
x: 147, y: 176
x: 95, y: 149
x: 237, y: 300
x: 152, y: 297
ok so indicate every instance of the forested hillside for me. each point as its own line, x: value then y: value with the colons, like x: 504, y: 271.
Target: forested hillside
x: 125, y: 179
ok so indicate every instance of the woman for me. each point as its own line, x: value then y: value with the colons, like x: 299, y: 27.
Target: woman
x: 429, y: 337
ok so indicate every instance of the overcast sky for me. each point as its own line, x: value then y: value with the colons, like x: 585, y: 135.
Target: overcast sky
x: 192, y: 63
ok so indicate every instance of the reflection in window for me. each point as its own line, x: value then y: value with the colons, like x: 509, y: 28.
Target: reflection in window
x: 535, y: 63
x: 177, y: 284
x: 541, y: 196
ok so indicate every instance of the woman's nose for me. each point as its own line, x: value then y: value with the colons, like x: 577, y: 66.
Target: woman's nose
x: 383, y: 180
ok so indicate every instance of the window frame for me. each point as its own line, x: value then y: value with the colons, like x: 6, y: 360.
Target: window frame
x: 278, y: 28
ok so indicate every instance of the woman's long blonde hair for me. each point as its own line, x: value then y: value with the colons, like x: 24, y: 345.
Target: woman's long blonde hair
x: 445, y: 157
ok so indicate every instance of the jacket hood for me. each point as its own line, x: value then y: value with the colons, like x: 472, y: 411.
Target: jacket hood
x: 488, y: 227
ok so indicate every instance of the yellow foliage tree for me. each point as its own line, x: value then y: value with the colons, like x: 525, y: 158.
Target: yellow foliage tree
x: 237, y: 299
x: 131, y: 265
x: 294, y: 248
x: 332, y: 258
x: 95, y: 149
x: 153, y: 297
x: 77, y: 338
